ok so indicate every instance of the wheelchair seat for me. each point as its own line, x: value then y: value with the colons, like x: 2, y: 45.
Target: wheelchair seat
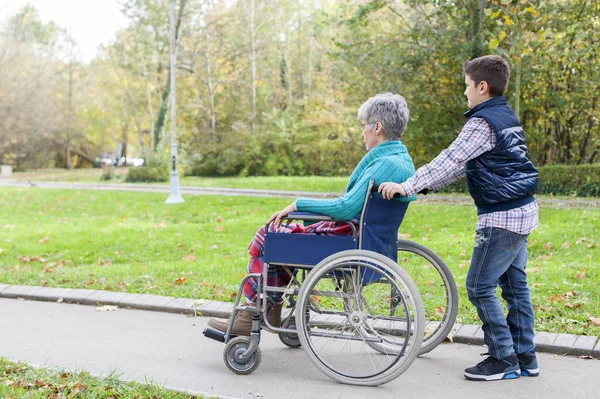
x: 377, y: 231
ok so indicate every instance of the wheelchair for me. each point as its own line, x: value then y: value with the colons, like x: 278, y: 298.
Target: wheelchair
x: 357, y: 313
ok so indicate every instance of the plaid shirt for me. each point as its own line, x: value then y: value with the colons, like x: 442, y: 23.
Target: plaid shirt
x: 475, y: 138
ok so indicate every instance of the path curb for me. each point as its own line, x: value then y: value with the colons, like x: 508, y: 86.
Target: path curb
x: 561, y: 344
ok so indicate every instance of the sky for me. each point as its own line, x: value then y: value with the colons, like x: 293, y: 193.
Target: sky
x: 89, y: 22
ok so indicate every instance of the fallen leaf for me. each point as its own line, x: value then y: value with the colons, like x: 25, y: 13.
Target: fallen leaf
x: 181, y: 280
x: 60, y: 300
x: 555, y: 298
x: 107, y: 308
x: 403, y: 236
x: 581, y: 274
x: 21, y: 384
x: 219, y: 228
x: 548, y: 246
x: 213, y: 246
x: 43, y: 240
x: 595, y: 321
x: 582, y: 239
x: 440, y: 311
x: 532, y: 270
x: 566, y: 245
x: 188, y: 257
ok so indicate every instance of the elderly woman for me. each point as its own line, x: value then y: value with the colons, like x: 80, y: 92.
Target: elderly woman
x: 383, y: 119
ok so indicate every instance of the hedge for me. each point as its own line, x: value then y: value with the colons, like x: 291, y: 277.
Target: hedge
x: 147, y: 174
x: 577, y: 180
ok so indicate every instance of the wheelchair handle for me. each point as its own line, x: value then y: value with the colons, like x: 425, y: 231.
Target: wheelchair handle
x: 375, y: 189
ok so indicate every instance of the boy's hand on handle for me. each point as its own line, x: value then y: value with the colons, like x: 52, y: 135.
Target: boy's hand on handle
x: 277, y: 216
x: 389, y: 189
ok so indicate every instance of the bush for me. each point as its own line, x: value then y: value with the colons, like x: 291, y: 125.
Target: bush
x: 108, y: 173
x: 156, y: 170
x: 579, y: 180
x: 147, y: 174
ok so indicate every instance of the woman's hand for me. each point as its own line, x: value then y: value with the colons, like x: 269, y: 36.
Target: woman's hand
x: 389, y: 189
x: 277, y: 216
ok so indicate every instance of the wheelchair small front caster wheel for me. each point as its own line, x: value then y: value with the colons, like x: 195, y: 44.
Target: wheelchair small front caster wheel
x: 234, y: 356
x: 290, y: 339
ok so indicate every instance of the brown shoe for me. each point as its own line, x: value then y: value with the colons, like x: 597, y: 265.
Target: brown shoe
x: 273, y: 316
x: 242, y: 323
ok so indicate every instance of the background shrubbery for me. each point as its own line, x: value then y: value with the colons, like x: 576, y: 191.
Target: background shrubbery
x: 156, y: 169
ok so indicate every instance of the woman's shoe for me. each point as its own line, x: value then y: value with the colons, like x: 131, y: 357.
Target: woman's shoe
x: 242, y: 323
x: 273, y: 317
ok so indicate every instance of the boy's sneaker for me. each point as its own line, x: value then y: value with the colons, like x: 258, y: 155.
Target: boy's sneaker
x: 528, y: 364
x: 492, y: 369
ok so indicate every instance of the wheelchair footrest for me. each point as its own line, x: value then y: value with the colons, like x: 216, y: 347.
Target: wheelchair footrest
x: 214, y: 334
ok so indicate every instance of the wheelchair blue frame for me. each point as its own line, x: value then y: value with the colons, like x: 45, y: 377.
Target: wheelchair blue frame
x: 378, y: 232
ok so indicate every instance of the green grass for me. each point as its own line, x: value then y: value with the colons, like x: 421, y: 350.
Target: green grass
x: 285, y: 183
x: 132, y: 242
x: 18, y: 380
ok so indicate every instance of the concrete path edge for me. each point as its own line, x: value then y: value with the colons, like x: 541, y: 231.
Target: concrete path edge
x: 562, y: 344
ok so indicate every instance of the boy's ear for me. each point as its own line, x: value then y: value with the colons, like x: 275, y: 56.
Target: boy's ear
x: 483, y: 87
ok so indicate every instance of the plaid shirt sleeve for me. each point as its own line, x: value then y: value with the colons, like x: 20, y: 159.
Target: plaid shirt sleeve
x: 475, y: 138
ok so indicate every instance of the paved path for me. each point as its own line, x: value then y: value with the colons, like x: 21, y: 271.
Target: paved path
x: 170, y: 349
x: 188, y: 190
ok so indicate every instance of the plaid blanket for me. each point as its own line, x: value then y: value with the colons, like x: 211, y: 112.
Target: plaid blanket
x: 277, y: 276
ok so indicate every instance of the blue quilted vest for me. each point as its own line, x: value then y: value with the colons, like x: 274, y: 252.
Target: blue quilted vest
x: 503, y: 178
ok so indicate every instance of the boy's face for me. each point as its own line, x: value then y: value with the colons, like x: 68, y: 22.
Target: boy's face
x: 476, y: 94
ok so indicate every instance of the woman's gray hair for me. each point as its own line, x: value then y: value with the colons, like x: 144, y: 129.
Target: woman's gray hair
x: 388, y: 108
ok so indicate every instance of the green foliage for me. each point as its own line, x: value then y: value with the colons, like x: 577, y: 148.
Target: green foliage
x: 147, y: 174
x: 580, y: 180
x: 108, y: 173
x: 157, y: 169
x: 282, y: 98
x: 285, y: 146
x: 19, y: 380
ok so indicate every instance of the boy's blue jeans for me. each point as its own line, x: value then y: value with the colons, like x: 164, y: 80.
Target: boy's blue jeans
x: 500, y: 258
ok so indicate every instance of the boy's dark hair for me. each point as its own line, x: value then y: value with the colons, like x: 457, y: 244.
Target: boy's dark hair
x: 492, y: 69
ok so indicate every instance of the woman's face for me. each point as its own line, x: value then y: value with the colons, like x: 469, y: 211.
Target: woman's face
x: 370, y: 134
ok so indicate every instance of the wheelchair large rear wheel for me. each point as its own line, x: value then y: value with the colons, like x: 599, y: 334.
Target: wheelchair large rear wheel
x: 351, y: 334
x: 437, y: 288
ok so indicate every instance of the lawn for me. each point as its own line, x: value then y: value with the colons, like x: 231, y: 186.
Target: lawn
x: 285, y: 183
x: 18, y: 380
x: 132, y: 242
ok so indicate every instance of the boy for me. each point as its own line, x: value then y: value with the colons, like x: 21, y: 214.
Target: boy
x: 490, y: 150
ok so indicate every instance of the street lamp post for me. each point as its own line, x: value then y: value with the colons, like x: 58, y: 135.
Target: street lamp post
x: 174, y: 195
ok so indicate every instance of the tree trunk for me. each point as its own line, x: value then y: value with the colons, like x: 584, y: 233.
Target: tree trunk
x: 164, y: 102
x: 253, y: 64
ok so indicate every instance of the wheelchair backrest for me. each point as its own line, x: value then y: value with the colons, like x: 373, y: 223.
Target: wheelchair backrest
x: 379, y: 224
